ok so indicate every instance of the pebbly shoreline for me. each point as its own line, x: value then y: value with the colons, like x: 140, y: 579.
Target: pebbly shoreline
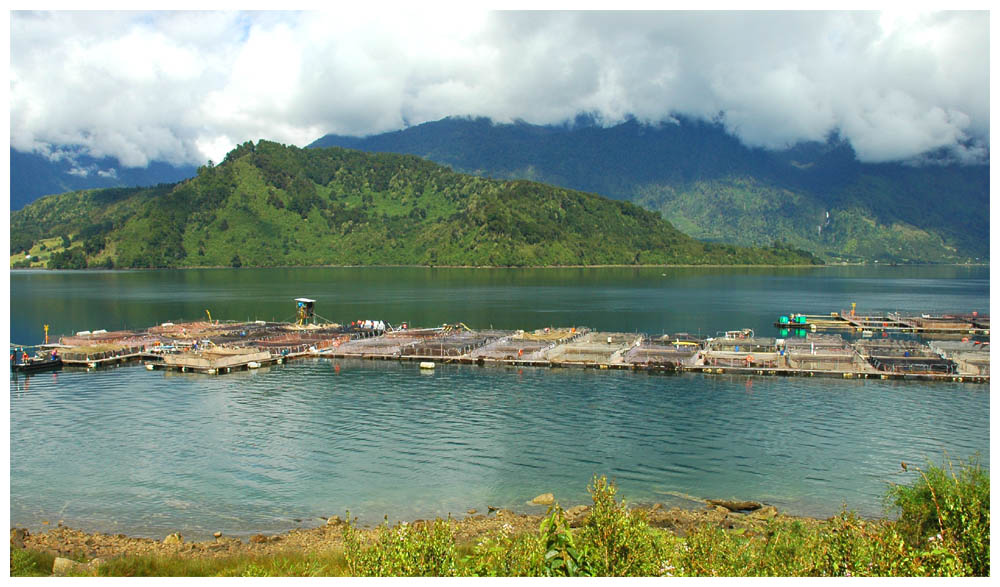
x: 62, y: 541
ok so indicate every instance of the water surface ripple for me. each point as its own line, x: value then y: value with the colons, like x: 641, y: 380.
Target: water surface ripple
x: 147, y: 452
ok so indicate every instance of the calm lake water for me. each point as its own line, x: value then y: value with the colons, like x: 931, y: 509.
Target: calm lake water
x: 145, y: 453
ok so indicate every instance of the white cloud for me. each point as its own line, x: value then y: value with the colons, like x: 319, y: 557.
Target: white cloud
x: 185, y: 87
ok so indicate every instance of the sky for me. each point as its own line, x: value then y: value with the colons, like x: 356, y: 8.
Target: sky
x: 186, y: 87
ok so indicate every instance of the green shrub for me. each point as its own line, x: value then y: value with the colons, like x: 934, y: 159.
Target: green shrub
x: 619, y: 542
x: 404, y: 550
x: 562, y: 558
x: 947, y: 512
x: 781, y: 549
x: 30, y: 563
x: 503, y: 554
x: 851, y: 546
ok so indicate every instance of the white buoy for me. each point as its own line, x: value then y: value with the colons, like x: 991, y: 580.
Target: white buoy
x: 149, y: 366
x: 426, y: 365
x: 253, y: 365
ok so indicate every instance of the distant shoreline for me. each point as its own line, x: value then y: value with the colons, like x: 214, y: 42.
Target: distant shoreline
x: 732, y: 266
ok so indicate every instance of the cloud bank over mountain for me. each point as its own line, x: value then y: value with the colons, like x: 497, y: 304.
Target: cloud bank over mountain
x: 184, y: 87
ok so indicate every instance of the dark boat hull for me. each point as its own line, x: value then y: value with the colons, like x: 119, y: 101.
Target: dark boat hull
x: 35, y: 366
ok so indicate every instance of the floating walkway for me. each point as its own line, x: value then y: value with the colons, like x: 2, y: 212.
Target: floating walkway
x: 218, y: 348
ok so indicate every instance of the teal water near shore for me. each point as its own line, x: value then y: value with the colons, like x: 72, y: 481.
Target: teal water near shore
x: 128, y: 450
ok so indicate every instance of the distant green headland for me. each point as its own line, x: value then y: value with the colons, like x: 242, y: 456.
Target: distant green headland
x: 270, y: 205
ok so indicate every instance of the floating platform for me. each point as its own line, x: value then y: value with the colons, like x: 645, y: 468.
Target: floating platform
x: 955, y: 325
x: 217, y: 348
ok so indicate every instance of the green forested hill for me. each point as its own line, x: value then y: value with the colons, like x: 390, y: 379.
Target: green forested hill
x: 269, y: 204
x: 815, y: 196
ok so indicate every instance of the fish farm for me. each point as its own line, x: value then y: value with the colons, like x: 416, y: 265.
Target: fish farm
x: 842, y: 345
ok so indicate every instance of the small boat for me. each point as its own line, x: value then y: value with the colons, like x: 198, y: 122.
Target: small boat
x: 35, y: 364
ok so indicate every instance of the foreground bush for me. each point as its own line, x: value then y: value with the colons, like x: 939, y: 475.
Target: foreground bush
x: 948, y: 513
x: 618, y: 542
x: 427, y: 550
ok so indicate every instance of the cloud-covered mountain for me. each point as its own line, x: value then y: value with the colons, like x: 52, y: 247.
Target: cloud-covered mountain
x: 816, y: 195
x: 33, y: 175
x: 184, y: 87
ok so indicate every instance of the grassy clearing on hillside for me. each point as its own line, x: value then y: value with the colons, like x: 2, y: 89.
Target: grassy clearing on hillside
x: 40, y: 253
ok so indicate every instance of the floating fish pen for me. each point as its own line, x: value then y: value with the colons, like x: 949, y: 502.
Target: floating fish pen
x: 901, y: 356
x: 103, y: 338
x: 304, y: 337
x: 964, y: 323
x: 237, y: 333
x: 93, y: 356
x: 528, y: 346
x: 749, y: 360
x: 556, y: 335
x: 217, y: 360
x: 511, y: 349
x: 951, y: 347
x: 743, y: 345
x: 680, y: 338
x: 970, y: 357
x: 595, y: 347
x: 181, y: 330
x: 669, y: 353
x: 389, y: 344
x: 453, y: 344
x: 822, y: 352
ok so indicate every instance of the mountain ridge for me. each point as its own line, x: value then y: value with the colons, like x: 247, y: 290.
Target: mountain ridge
x: 268, y: 204
x: 816, y: 196
x: 33, y: 175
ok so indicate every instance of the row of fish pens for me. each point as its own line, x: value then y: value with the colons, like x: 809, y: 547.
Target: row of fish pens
x: 247, y: 346
x: 832, y: 355
x: 545, y: 347
x: 226, y: 347
x: 211, y: 347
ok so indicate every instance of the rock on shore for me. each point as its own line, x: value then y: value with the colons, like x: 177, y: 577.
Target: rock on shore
x: 544, y: 499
